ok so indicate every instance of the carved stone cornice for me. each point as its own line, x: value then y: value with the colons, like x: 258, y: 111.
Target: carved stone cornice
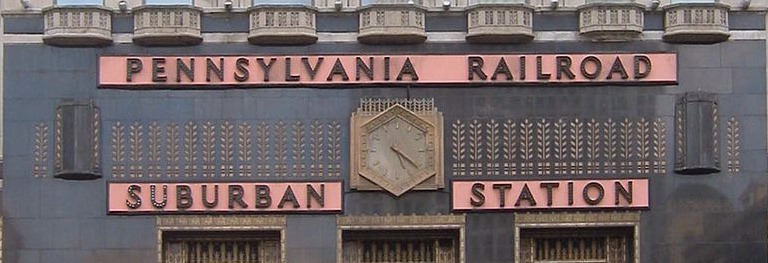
x: 78, y: 26
x: 499, y: 23
x: 611, y: 21
x: 167, y: 25
x: 696, y: 23
x: 282, y: 25
x: 401, y: 221
x: 392, y: 24
x: 590, y: 218
x: 213, y: 222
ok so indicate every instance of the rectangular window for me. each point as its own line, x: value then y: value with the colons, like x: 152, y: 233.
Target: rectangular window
x: 400, y: 246
x: 584, y: 245
x: 221, y: 246
x: 79, y: 2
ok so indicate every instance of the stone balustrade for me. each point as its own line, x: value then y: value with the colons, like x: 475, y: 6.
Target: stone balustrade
x: 171, y: 25
x: 499, y: 23
x: 696, y: 23
x: 392, y: 24
x: 282, y: 25
x: 611, y: 21
x: 77, y: 26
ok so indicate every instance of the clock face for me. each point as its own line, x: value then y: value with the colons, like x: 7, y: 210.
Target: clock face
x: 397, y: 149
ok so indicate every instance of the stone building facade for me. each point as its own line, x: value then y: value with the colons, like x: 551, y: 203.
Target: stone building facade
x: 384, y: 131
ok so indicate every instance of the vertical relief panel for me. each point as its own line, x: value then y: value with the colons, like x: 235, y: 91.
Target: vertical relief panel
x: 696, y: 134
x: 77, y: 141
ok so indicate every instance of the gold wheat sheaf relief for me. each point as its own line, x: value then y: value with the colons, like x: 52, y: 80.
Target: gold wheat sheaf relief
x: 734, y: 145
x: 153, y: 153
x: 219, y: 149
x: 40, y: 166
x: 558, y: 147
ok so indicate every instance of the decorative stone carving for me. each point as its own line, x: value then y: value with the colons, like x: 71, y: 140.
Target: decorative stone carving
x: 499, y: 23
x: 282, y: 25
x: 696, y: 23
x: 392, y: 24
x: 167, y: 25
x: 331, y: 4
x: 78, y: 26
x: 611, y: 21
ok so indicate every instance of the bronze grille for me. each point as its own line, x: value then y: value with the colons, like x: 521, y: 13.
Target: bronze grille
x: 582, y: 247
x: 221, y: 250
x: 384, y: 247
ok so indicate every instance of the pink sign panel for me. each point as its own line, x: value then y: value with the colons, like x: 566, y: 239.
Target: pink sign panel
x: 224, y: 197
x: 561, y: 194
x: 501, y: 69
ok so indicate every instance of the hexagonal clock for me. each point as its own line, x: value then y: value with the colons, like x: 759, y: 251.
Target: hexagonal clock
x: 396, y: 146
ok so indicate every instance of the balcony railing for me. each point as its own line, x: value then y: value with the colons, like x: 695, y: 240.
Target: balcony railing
x: 696, y: 22
x: 289, y: 23
x: 76, y: 25
x: 611, y: 20
x: 496, y: 21
x: 167, y: 25
x: 392, y: 22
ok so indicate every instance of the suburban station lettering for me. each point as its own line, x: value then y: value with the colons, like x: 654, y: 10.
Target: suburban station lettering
x: 625, y: 193
x: 231, y: 197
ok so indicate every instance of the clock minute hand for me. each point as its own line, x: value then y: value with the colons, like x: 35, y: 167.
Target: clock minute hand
x: 400, y: 153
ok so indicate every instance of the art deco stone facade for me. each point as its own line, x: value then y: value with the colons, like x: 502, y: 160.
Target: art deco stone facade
x: 282, y: 25
x: 176, y: 25
x: 696, y: 23
x: 500, y: 23
x: 392, y: 24
x: 606, y: 21
x: 78, y: 26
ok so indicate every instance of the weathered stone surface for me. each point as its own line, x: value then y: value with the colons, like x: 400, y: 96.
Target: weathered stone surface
x: 282, y: 25
x: 696, y: 23
x: 172, y: 25
x: 499, y: 23
x: 78, y: 26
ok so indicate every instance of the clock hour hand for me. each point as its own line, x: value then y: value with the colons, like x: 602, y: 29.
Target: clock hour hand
x: 403, y: 155
x: 401, y: 159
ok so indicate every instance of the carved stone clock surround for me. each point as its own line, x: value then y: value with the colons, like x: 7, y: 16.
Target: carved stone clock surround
x: 375, y: 110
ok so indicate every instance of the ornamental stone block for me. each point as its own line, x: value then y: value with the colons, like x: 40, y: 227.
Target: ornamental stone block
x: 167, y: 25
x: 78, y: 26
x: 392, y: 24
x: 497, y: 23
x: 696, y: 23
x: 611, y: 21
x: 282, y: 25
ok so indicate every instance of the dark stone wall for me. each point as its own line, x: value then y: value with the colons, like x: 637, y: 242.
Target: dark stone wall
x: 711, y: 218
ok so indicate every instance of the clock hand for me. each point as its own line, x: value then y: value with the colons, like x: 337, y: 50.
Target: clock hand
x: 400, y: 158
x: 400, y: 153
